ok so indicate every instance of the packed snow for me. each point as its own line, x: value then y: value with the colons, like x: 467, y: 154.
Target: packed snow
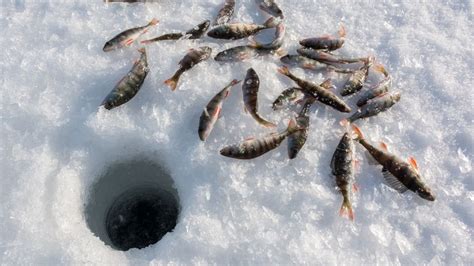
x: 56, y: 141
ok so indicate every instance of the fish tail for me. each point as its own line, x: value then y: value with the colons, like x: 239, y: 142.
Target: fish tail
x: 271, y: 22
x: 142, y: 50
x: 284, y: 70
x: 380, y: 68
x: 154, y: 21
x: 342, y: 31
x: 358, y: 132
x: 173, y: 81
x: 292, y: 126
x: 346, y: 206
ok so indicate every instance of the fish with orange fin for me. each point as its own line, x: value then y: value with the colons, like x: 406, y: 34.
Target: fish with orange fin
x: 270, y: 7
x: 235, y: 31
x: 321, y: 93
x: 192, y: 58
x: 356, y: 81
x: 311, y: 64
x: 342, y: 166
x: 326, y: 42
x: 327, y: 58
x: 130, y: 84
x: 375, y: 106
x: 211, y: 112
x: 378, y: 89
x: 194, y: 33
x: 250, y: 93
x: 226, y: 12
x: 126, y: 38
x: 253, y: 148
x: 398, y: 174
x: 276, y: 43
x: 297, y: 140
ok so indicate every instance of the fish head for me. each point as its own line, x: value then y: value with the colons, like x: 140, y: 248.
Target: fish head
x: 426, y: 194
x: 108, y: 47
x: 396, y: 96
x: 230, y: 151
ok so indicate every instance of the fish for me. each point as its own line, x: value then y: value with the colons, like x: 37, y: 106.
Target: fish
x: 342, y: 166
x: 126, y: 38
x: 398, y: 174
x: 234, y: 31
x: 242, y: 53
x: 356, y: 81
x: 307, y: 63
x: 380, y: 88
x: 252, y: 148
x: 321, y: 93
x: 297, y: 140
x: 327, y: 58
x: 192, y: 58
x: 211, y: 112
x: 194, y: 33
x: 129, y: 85
x: 326, y: 42
x: 276, y: 43
x: 226, y: 12
x: 375, y: 106
x: 270, y: 7
x: 250, y: 94
x: 286, y: 96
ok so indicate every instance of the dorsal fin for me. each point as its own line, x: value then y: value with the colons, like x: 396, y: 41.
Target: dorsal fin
x: 327, y: 84
x: 413, y: 163
x: 393, y: 182
x: 383, y: 146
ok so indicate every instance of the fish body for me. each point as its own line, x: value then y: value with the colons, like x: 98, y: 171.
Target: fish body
x: 326, y: 58
x: 342, y: 165
x: 253, y: 148
x: 297, y: 140
x: 379, y: 89
x: 322, y: 94
x: 194, y: 33
x: 226, y: 12
x: 329, y: 43
x: 375, y: 106
x: 277, y: 41
x: 285, y: 96
x: 270, y: 7
x: 211, y: 112
x: 126, y: 38
x: 129, y: 85
x: 193, y: 57
x: 242, y: 53
x: 308, y: 63
x: 400, y: 175
x: 234, y: 31
x: 250, y: 88
x: 356, y: 81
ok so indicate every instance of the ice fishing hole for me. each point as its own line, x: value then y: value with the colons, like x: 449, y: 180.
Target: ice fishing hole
x: 132, y: 205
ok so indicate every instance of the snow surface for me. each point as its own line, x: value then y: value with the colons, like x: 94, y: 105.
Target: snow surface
x: 56, y: 141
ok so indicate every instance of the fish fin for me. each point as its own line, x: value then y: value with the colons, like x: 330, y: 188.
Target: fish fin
x: 355, y: 187
x: 249, y: 138
x: 219, y: 112
x: 383, y: 146
x: 293, y: 126
x: 281, y: 52
x: 357, y: 131
x: 145, y: 42
x: 327, y: 84
x: 412, y: 162
x: 128, y: 42
x: 245, y: 110
x: 284, y: 70
x: 309, y: 66
x: 171, y: 83
x: 356, y: 164
x: 393, y: 182
x: 342, y: 31
x: 346, y: 206
x: 370, y: 159
x: 380, y: 68
x: 344, y: 122
x: 141, y: 50
x: 272, y: 22
x: 154, y: 21
x: 235, y: 82
x: 254, y: 43
x: 206, y: 113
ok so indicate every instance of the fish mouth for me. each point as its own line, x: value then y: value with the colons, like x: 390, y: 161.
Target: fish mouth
x: 107, y: 48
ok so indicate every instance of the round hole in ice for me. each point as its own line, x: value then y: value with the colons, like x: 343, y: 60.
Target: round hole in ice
x: 133, y: 204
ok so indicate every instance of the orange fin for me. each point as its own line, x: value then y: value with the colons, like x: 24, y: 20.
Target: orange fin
x: 355, y: 187
x: 284, y: 70
x: 327, y: 84
x: 357, y: 131
x: 154, y: 21
x: 249, y: 138
x: 171, y: 83
x: 383, y: 146
x: 347, y: 207
x: 342, y: 31
x: 413, y: 163
x: 344, y: 122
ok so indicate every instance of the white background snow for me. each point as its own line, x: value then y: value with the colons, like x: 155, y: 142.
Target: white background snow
x: 56, y: 141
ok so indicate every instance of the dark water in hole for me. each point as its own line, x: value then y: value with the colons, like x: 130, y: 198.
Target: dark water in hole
x: 132, y: 205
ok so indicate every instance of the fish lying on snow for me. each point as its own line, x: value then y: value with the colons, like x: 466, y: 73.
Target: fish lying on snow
x: 297, y: 140
x: 253, y: 148
x: 194, y: 33
x: 270, y: 7
x: 126, y: 38
x: 378, y: 89
x: 399, y: 175
x: 326, y: 42
x: 375, y: 106
x: 234, y: 31
x: 193, y: 57
x: 308, y: 63
x: 226, y: 12
x: 321, y: 93
x: 212, y: 111
x: 356, y: 81
x: 250, y: 94
x: 276, y: 43
x: 325, y: 57
x: 286, y: 96
x: 342, y: 165
x: 129, y: 85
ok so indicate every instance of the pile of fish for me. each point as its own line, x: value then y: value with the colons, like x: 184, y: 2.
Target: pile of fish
x: 316, y: 53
